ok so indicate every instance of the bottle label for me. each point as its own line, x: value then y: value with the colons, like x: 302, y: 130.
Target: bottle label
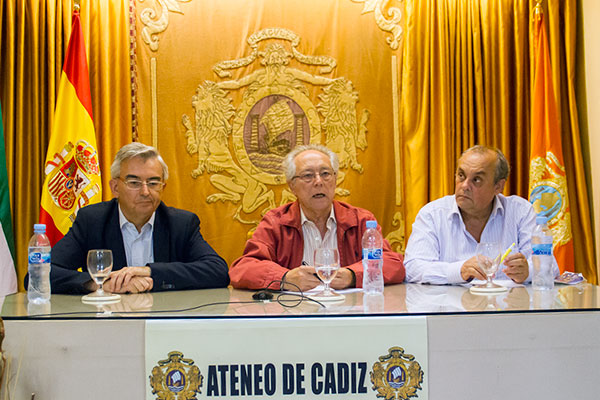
x: 37, y: 257
x: 542, y: 249
x: 372, y: 254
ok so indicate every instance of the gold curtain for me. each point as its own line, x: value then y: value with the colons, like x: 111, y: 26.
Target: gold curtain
x: 466, y: 80
x: 34, y: 36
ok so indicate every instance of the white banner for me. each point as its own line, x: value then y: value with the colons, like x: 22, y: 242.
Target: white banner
x: 8, y: 274
x: 291, y: 358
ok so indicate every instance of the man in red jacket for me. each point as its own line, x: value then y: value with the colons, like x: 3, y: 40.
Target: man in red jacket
x: 283, y: 244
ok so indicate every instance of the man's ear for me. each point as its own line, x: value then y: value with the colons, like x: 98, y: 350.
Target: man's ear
x: 499, y: 186
x: 114, y: 187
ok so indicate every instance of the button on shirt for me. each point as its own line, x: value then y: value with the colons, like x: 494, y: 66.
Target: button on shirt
x: 440, y: 243
x: 312, y: 236
x: 138, y: 245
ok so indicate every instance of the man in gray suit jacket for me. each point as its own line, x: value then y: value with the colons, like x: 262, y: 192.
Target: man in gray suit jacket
x: 154, y: 247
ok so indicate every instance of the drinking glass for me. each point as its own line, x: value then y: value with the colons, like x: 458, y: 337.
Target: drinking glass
x: 99, y: 265
x: 488, y: 256
x: 327, y: 263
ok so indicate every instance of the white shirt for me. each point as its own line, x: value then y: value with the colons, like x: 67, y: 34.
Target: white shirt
x: 138, y: 245
x: 439, y: 243
x: 312, y: 236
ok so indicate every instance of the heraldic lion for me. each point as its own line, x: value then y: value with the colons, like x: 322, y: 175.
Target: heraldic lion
x: 343, y: 133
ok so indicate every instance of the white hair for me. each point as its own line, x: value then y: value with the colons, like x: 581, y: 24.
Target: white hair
x: 289, y: 167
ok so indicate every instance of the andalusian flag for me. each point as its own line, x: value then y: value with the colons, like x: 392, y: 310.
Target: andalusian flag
x: 8, y: 276
x: 72, y: 171
x: 547, y: 178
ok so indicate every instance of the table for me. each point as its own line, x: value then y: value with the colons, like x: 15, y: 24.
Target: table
x: 529, y: 344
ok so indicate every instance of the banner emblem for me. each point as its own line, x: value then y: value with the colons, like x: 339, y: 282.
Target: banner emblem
x: 70, y: 175
x: 176, y: 378
x: 397, y: 375
x: 548, y: 195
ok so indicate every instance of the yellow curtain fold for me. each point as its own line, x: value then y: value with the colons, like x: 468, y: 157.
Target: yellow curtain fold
x: 33, y: 39
x: 466, y: 79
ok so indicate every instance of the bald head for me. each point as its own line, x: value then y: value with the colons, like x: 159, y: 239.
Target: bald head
x: 501, y: 170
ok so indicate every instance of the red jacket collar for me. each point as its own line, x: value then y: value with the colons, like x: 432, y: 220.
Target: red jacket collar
x: 343, y: 215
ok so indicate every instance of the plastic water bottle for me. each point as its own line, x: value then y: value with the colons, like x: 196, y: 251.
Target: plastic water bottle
x: 541, y: 243
x: 38, y: 290
x: 372, y: 244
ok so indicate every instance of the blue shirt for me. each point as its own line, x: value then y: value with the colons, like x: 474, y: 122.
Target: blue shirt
x: 139, y: 248
x: 440, y: 243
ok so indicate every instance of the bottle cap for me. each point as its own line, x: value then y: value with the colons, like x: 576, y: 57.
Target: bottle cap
x: 541, y: 220
x: 39, y: 228
x: 371, y: 224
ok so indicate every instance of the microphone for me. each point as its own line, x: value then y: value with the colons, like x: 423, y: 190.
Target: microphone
x: 263, y: 295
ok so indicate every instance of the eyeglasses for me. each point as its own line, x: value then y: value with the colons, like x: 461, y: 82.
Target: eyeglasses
x: 136, y: 184
x: 309, y: 177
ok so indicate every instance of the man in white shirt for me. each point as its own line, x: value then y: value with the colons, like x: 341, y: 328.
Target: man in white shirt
x: 445, y: 234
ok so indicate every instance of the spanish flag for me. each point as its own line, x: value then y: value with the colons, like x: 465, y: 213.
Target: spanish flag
x: 72, y: 170
x: 547, y: 178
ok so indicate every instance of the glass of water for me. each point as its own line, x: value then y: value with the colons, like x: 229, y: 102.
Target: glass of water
x: 488, y: 258
x: 327, y: 264
x: 99, y: 265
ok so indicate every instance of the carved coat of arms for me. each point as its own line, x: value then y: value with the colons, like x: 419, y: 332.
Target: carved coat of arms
x: 241, y: 146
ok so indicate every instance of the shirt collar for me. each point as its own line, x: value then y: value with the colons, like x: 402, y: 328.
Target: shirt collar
x: 123, y: 221
x: 497, y: 208
x: 455, y: 212
x: 330, y: 220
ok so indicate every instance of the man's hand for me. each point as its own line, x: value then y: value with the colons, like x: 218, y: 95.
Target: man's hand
x: 343, y: 279
x: 137, y: 284
x: 516, y: 267
x: 470, y: 270
x: 304, y: 276
x: 129, y: 280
